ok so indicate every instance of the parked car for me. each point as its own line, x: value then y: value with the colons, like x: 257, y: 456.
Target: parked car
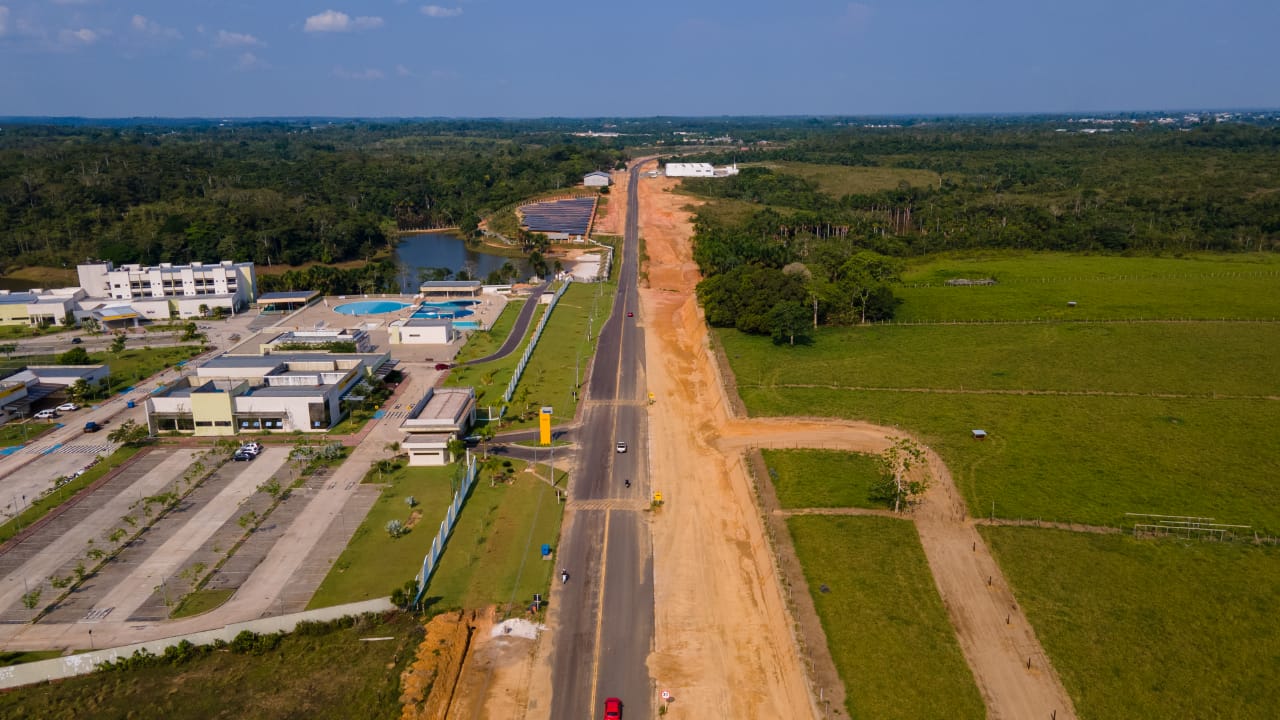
x: 242, y: 456
x: 621, y: 447
x: 76, y: 341
x: 253, y: 445
x: 443, y: 366
x: 46, y: 414
x: 68, y: 407
x: 92, y: 427
x: 612, y: 709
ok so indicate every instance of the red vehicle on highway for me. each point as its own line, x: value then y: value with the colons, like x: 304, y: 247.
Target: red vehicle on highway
x: 613, y: 709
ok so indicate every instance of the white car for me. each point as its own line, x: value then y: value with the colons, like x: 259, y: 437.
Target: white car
x: 622, y: 447
x: 68, y: 407
x: 46, y: 414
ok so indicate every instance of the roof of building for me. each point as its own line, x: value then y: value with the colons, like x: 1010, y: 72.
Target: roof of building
x: 427, y: 322
x: 116, y: 312
x: 443, y: 284
x: 440, y: 406
x: 596, y: 173
x: 289, y: 296
x: 18, y: 297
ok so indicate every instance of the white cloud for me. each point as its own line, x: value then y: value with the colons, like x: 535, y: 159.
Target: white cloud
x: 334, y: 21
x: 83, y: 36
x: 403, y: 71
x: 153, y: 28
x: 437, y: 11
x: 235, y: 39
x: 249, y: 61
x: 367, y: 74
x: 4, y: 20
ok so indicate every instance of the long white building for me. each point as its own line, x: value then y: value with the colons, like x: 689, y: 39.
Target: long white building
x: 234, y: 283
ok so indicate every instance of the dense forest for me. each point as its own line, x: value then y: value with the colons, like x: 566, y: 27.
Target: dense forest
x: 1147, y: 190
x: 268, y: 192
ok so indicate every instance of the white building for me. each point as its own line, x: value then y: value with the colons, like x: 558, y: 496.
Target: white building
x: 197, y: 282
x: 318, y: 341
x: 38, y: 307
x: 421, y: 331
x: 443, y: 414
x: 281, y: 392
x: 690, y: 170
x: 596, y: 179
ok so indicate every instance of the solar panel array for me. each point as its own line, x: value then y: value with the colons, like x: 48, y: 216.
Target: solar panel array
x: 560, y: 216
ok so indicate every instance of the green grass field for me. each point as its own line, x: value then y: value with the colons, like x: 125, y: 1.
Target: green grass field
x: 374, y: 563
x: 1039, y: 285
x: 201, y: 601
x: 822, y: 478
x: 331, y: 676
x: 493, y: 556
x: 886, y: 627
x: 490, y: 379
x: 485, y: 342
x: 1145, y: 629
x: 18, y: 433
x: 840, y: 180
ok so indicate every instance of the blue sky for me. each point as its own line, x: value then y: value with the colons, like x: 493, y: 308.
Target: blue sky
x: 536, y: 58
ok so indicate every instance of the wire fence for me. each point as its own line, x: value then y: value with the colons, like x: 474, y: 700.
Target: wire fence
x: 432, y: 557
x: 533, y: 343
x: 1099, y: 278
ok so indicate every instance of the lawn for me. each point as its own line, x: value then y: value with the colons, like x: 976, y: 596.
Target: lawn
x: 486, y: 342
x: 374, y: 563
x: 822, y: 478
x: 18, y: 433
x: 886, y: 627
x: 494, y: 554
x: 490, y: 379
x: 562, y: 353
x: 1147, y: 629
x: 46, y: 504
x: 840, y: 180
x: 135, y: 364
x: 201, y: 601
x: 317, y: 676
x: 16, y: 332
x: 1039, y: 285
x: 17, y: 657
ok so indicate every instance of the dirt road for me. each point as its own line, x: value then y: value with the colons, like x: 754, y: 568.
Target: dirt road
x: 723, y: 632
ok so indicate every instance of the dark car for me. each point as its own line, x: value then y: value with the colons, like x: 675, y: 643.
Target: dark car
x: 242, y: 457
x: 613, y: 709
x: 76, y: 341
x: 630, y: 314
x: 92, y: 426
x: 443, y: 366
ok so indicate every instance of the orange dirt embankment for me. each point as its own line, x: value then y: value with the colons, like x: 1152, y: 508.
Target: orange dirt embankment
x: 723, y: 644
x: 427, y: 686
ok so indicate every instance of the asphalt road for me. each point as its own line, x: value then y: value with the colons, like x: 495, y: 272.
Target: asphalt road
x: 605, y: 631
x: 516, y: 336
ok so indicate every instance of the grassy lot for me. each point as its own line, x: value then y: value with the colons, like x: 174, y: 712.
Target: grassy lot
x: 887, y: 629
x: 841, y: 180
x: 494, y: 554
x: 490, y: 379
x: 17, y: 657
x: 549, y: 377
x: 15, y: 332
x: 135, y: 364
x: 46, y: 504
x: 374, y: 563
x: 822, y: 478
x: 201, y: 601
x: 485, y: 342
x: 1141, y: 358
x: 333, y: 675
x: 1146, y: 629
x: 17, y: 433
x: 1039, y: 285
x: 1083, y: 459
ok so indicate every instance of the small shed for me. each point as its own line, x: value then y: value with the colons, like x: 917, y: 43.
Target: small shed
x: 596, y: 179
x: 979, y: 434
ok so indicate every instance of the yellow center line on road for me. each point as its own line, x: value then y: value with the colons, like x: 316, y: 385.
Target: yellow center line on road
x: 595, y: 659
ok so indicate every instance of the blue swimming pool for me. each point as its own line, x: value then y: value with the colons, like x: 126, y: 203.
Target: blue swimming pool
x: 432, y: 310
x: 370, y: 307
x: 467, y: 325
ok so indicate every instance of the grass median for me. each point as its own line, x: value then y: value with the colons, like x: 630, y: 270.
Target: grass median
x: 885, y: 624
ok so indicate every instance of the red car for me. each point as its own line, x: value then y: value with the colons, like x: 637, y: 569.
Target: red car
x: 631, y: 314
x: 613, y: 709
